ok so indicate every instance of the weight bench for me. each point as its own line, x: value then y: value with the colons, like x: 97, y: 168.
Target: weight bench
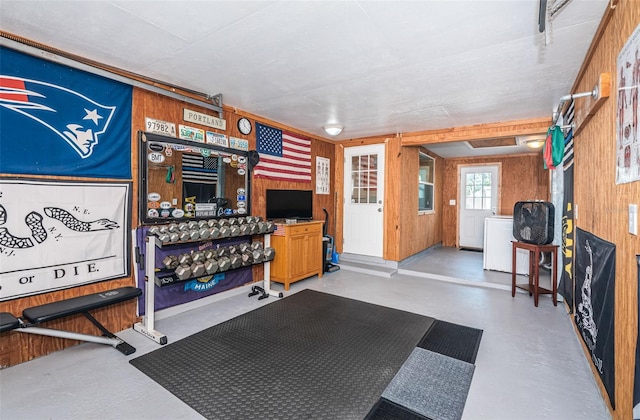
x: 63, y: 308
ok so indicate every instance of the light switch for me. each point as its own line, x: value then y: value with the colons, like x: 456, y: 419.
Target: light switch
x: 452, y: 202
x: 633, y: 219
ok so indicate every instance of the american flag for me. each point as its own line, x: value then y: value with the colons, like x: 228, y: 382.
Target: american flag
x: 283, y: 156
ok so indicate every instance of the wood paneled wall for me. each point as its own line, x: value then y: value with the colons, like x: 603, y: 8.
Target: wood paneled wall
x: 601, y: 205
x: 405, y: 231
x: 16, y: 348
x: 522, y: 177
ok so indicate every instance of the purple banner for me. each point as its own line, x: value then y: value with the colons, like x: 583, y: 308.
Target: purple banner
x: 187, y: 291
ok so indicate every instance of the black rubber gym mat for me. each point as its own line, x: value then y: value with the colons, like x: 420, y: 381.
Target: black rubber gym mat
x: 453, y: 340
x: 310, y: 355
x: 388, y: 410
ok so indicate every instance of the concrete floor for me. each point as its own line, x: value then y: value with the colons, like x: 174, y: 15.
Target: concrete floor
x: 530, y: 364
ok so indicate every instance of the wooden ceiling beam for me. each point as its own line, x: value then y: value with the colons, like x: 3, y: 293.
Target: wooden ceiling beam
x: 478, y: 132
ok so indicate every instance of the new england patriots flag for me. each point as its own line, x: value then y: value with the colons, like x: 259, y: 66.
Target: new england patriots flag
x: 55, y: 120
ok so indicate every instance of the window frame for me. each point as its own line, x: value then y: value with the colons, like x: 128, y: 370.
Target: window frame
x: 421, y: 156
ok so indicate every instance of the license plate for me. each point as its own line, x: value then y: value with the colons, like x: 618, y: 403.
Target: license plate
x: 160, y: 127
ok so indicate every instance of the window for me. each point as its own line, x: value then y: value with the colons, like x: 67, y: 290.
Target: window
x: 426, y: 174
x: 478, y: 191
x: 364, y: 178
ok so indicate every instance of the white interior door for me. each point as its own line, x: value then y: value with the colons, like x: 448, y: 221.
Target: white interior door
x: 478, y: 200
x: 363, y: 200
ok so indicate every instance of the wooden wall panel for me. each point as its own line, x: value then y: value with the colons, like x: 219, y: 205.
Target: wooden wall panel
x: 16, y: 348
x: 601, y: 205
x: 523, y: 177
x: 418, y: 231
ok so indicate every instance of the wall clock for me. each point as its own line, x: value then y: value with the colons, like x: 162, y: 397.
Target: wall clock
x: 244, y: 125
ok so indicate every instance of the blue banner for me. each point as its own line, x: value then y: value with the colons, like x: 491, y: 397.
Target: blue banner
x: 56, y: 120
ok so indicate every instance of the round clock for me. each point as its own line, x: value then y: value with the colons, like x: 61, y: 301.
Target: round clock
x: 244, y: 125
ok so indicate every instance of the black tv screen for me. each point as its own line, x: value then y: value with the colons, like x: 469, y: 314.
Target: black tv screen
x: 289, y: 204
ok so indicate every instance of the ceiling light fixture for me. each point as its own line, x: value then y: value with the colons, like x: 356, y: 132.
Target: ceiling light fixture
x: 535, y: 144
x: 333, y: 129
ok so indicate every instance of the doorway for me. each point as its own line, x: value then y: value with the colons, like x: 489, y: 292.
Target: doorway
x: 478, y: 196
x: 364, y: 200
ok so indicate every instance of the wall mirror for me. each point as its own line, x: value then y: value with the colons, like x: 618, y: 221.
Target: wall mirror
x: 183, y: 180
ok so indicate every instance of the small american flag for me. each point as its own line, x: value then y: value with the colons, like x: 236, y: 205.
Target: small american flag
x: 198, y: 168
x: 283, y: 156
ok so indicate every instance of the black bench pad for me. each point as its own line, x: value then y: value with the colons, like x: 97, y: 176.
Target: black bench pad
x: 77, y: 305
x: 8, y: 322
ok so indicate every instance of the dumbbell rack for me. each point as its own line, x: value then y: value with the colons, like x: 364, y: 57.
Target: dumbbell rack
x: 147, y: 326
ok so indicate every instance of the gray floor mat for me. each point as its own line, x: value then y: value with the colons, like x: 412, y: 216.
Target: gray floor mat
x: 431, y: 384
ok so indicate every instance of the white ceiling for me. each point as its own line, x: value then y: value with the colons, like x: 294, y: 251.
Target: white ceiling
x: 376, y: 67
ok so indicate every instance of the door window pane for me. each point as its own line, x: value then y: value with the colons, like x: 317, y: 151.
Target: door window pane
x: 478, y: 191
x: 364, y: 176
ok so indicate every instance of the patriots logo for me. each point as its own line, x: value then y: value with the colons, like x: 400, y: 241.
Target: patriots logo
x: 81, y: 123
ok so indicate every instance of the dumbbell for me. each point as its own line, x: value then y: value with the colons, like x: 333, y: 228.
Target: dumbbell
x: 269, y: 253
x: 174, y: 237
x: 194, y: 234
x: 254, y: 228
x: 271, y: 227
x: 224, y: 263
x: 223, y: 251
x: 258, y: 255
x: 243, y: 247
x: 262, y: 227
x: 197, y: 269
x: 198, y: 256
x: 233, y: 249
x: 185, y: 259
x: 202, y: 223
x: 212, y: 223
x: 257, y: 245
x: 214, y: 232
x: 184, y: 235
x: 173, y: 227
x: 235, y: 230
x: 225, y: 231
x: 247, y: 258
x: 211, y: 266
x: 245, y: 229
x: 236, y: 260
x: 223, y: 222
x: 165, y: 238
x: 183, y: 271
x: 233, y: 221
x: 153, y: 230
x: 242, y: 221
x: 183, y: 226
x: 170, y: 262
x: 163, y: 229
x: 204, y: 232
x: 192, y: 225
x: 209, y: 254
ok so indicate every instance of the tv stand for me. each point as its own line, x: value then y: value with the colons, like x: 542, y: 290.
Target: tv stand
x: 298, y: 252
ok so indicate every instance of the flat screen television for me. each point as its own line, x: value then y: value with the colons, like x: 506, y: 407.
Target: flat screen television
x: 289, y: 204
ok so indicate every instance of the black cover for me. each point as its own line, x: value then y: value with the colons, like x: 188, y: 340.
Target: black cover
x: 8, y: 322
x: 77, y: 305
x: 311, y: 355
x: 533, y: 222
x: 595, y: 274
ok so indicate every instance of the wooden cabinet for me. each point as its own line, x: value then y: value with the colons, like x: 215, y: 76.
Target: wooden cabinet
x: 298, y: 252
